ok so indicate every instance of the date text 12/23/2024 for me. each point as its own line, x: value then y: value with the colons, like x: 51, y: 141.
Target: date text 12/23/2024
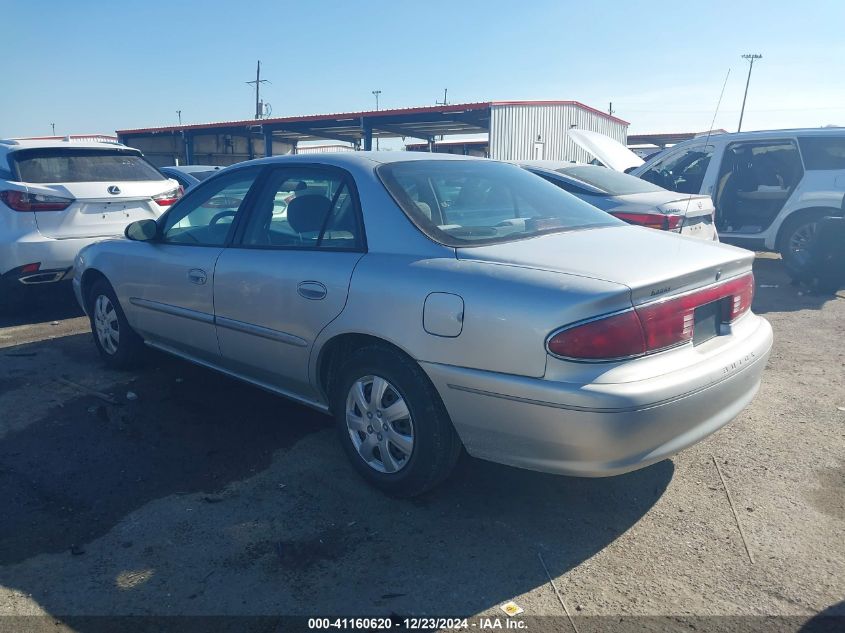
x: 480, y: 623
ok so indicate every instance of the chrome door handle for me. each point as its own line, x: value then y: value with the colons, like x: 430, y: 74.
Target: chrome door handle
x: 311, y: 290
x: 197, y: 276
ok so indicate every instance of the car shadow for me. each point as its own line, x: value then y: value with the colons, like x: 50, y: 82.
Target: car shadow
x: 830, y: 620
x: 326, y: 544
x: 40, y: 304
x: 775, y: 291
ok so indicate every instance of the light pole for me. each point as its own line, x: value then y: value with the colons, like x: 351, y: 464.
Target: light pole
x: 53, y: 125
x: 751, y: 57
x: 179, y: 114
x: 376, y: 93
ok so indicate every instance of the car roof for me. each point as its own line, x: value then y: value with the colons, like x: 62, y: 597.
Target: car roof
x: 550, y: 165
x: 763, y: 134
x: 189, y: 169
x: 341, y: 159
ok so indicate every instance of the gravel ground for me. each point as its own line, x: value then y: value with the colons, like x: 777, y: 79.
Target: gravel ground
x: 205, y: 496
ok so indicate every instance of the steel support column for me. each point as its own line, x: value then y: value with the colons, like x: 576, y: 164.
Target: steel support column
x: 268, y: 142
x: 189, y: 148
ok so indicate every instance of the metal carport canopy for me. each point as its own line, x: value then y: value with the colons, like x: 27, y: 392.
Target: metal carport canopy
x: 354, y: 127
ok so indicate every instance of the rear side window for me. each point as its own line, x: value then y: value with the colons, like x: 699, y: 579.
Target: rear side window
x: 305, y: 207
x: 822, y: 152
x: 82, y: 165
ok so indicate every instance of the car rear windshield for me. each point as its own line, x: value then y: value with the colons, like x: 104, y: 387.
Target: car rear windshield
x: 202, y: 175
x: 475, y: 202
x: 612, y: 182
x: 54, y: 165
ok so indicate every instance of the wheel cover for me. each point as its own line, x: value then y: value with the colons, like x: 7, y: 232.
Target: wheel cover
x: 799, y: 240
x: 106, y: 325
x: 379, y: 424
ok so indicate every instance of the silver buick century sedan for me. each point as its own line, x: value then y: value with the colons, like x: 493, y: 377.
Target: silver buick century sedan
x: 432, y: 303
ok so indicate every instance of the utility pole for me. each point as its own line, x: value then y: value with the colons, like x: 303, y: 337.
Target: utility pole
x: 53, y: 125
x: 444, y: 102
x: 258, y: 81
x: 179, y: 114
x: 376, y: 93
x: 751, y: 57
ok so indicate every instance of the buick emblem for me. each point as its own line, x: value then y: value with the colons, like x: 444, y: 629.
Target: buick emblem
x: 113, y: 190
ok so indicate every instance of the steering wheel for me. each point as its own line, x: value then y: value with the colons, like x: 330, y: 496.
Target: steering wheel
x: 228, y: 213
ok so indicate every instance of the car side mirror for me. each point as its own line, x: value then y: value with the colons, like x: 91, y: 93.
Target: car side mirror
x: 142, y: 231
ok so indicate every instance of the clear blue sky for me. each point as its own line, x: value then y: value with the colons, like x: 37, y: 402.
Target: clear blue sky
x: 95, y: 66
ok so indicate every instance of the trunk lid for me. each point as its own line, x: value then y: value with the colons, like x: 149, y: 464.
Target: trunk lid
x: 609, y: 151
x: 95, y: 212
x: 696, y: 210
x: 653, y: 264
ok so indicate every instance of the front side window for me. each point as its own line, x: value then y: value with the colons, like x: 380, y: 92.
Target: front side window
x: 56, y: 165
x: 305, y: 207
x: 681, y: 171
x: 821, y: 152
x: 204, y: 217
x: 465, y: 203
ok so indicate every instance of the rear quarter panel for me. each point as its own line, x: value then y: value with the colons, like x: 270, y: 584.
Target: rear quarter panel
x: 509, y: 311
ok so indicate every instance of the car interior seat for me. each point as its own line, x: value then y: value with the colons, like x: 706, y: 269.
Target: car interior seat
x: 307, y: 213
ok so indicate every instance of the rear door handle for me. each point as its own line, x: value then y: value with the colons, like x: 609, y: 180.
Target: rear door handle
x: 311, y: 290
x: 197, y: 276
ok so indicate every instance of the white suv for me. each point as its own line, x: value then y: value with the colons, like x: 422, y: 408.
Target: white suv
x: 58, y: 196
x: 769, y: 188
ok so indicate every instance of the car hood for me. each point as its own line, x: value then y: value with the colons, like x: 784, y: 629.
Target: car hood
x: 609, y: 151
x: 651, y: 263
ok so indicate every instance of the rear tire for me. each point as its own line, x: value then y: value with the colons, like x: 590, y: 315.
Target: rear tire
x: 795, y: 237
x: 392, y: 423
x: 118, y: 344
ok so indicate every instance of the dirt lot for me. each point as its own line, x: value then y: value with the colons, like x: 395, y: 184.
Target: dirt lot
x: 205, y: 496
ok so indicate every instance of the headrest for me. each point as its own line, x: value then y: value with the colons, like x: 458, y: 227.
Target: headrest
x: 306, y: 214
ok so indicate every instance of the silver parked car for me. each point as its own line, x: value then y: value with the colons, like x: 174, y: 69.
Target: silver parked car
x: 631, y: 199
x: 189, y: 175
x: 432, y: 302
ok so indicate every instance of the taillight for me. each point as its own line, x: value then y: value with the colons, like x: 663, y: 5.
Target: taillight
x: 169, y: 197
x: 616, y: 336
x: 662, y: 221
x: 651, y: 327
x: 23, y: 201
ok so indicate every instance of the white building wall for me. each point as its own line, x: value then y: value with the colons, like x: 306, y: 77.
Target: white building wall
x: 324, y: 149
x: 518, y: 132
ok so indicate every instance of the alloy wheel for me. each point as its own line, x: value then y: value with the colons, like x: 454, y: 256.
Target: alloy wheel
x: 800, y: 240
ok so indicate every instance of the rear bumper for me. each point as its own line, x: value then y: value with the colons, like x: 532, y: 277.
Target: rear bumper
x: 597, y: 430
x: 54, y: 256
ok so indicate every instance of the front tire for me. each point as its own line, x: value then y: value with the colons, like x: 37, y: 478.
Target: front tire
x: 392, y: 423
x: 118, y: 344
